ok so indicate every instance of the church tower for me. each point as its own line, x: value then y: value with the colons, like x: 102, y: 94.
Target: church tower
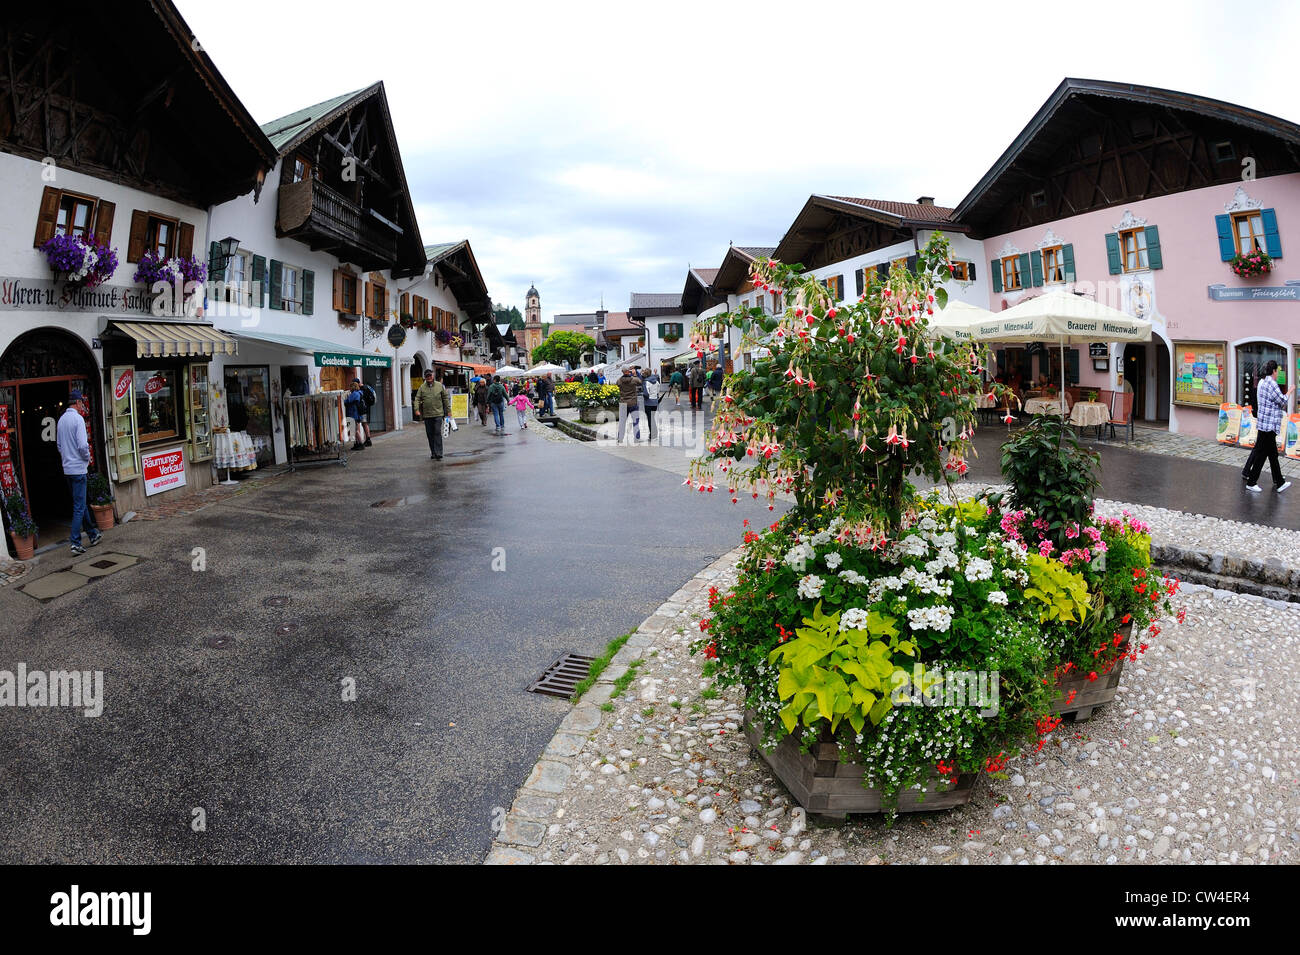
x: 532, y: 321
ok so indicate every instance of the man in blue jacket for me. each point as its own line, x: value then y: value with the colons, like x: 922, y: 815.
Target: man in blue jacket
x: 74, y: 449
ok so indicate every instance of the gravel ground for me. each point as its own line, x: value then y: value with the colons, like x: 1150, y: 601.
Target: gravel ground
x: 1196, y: 761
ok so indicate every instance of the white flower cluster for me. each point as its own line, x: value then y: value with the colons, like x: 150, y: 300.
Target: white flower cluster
x: 88, y: 259
x: 798, y: 556
x: 833, y: 559
x: 810, y: 587
x: 998, y: 597
x: 881, y: 584
x: 925, y: 583
x: 943, y: 560
x: 821, y: 537
x: 977, y: 568
x: 913, y: 545
x: 944, y: 541
x: 853, y: 577
x: 855, y: 618
x: 930, y: 618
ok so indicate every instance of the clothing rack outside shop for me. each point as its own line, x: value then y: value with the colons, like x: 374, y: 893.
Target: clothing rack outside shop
x: 315, y: 429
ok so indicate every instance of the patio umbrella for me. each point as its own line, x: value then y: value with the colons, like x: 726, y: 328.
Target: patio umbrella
x: 1062, y: 318
x: 546, y: 368
x: 957, y: 320
x: 510, y: 371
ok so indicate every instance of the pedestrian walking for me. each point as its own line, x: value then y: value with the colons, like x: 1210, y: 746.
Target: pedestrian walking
x: 355, y: 406
x: 496, y: 395
x: 677, y: 382
x: 696, y: 379
x: 715, y: 383
x: 521, y: 403
x: 74, y: 449
x: 630, y: 403
x: 546, y: 392
x: 481, y: 401
x: 1272, y: 406
x: 433, y: 406
x: 650, y: 397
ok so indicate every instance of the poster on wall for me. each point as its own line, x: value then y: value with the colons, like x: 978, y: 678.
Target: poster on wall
x: 1292, y: 449
x: 163, y: 470
x: 1199, y: 368
x: 8, y: 479
x: 1229, y: 423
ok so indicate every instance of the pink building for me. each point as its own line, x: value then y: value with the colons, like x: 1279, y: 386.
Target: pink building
x: 1144, y: 198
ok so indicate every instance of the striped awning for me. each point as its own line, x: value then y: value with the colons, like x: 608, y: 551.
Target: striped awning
x: 176, y: 339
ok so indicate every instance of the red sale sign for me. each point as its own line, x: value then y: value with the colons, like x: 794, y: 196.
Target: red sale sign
x: 163, y: 470
x: 123, y: 386
x: 154, y: 385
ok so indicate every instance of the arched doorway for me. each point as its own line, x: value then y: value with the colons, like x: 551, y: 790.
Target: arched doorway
x: 37, y: 373
x: 1135, y: 374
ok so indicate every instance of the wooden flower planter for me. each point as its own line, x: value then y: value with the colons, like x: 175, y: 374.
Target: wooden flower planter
x: 1089, y: 694
x: 564, y: 400
x: 822, y: 784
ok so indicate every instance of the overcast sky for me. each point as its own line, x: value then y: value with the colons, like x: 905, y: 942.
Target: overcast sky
x: 602, y: 148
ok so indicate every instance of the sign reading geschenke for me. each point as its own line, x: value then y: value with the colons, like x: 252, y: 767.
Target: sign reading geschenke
x: 345, y: 360
x: 46, y: 295
x: 1290, y: 292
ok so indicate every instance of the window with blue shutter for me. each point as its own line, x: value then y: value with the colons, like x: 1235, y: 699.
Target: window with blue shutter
x: 1272, y: 244
x: 1154, y: 259
x: 276, y: 271
x: 1113, y: 261
x: 1227, y: 247
x: 1036, y: 268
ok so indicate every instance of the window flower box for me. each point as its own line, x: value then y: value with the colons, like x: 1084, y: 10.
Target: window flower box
x: 78, y: 262
x: 1252, y: 264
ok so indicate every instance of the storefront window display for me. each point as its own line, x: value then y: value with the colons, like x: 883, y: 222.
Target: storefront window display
x: 155, y: 404
x: 1251, y: 359
x: 248, y: 397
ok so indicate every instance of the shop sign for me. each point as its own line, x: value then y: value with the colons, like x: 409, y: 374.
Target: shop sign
x: 154, y: 385
x: 163, y: 470
x: 344, y: 360
x: 123, y: 385
x: 1290, y: 292
x: 46, y: 295
x: 396, y: 335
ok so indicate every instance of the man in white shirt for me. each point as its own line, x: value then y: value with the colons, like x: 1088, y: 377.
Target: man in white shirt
x: 74, y: 449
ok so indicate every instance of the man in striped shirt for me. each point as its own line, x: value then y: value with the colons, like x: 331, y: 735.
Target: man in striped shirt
x: 1272, y: 406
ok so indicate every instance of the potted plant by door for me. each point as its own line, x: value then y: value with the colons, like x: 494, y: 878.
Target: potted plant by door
x: 21, y: 526
x: 99, y: 494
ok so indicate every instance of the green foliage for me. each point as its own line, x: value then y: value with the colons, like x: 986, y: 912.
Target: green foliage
x: 559, y: 347
x: 20, y: 519
x: 1051, y: 474
x: 599, y: 664
x: 502, y: 315
x: 1063, y: 594
x: 854, y: 398
x: 832, y: 674
x: 98, y: 490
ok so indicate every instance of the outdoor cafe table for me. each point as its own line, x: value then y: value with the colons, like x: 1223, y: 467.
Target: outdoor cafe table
x: 1043, y: 406
x: 1089, y: 414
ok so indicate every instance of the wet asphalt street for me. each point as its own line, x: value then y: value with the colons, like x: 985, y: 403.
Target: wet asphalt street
x: 402, y: 600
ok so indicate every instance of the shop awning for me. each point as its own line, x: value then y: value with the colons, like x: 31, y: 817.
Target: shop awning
x: 176, y: 339
x: 477, y: 369
x: 326, y: 354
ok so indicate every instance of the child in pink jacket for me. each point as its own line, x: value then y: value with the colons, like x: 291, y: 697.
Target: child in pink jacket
x: 521, y: 402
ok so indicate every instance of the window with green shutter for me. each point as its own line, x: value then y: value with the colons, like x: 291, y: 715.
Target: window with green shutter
x: 277, y: 269
x: 308, y: 291
x: 1036, y: 262
x: 258, y: 277
x: 995, y: 270
x: 1113, y: 261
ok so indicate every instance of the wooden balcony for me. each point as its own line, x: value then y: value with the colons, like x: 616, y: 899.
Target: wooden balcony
x: 324, y: 218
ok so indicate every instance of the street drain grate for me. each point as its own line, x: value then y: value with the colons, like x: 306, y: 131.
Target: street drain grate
x: 218, y: 643
x: 103, y: 564
x: 562, y: 676
x: 286, y: 628
x: 275, y: 602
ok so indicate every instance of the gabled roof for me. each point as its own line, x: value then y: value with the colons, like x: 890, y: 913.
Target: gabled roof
x: 617, y: 324
x: 1123, y: 118
x: 655, y: 300
x: 288, y: 132
x: 805, y: 239
x: 736, y: 266
x: 456, y: 262
x: 698, y: 295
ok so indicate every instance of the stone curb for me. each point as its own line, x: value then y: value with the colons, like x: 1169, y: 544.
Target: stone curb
x: 535, y: 806
x: 1245, y: 575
